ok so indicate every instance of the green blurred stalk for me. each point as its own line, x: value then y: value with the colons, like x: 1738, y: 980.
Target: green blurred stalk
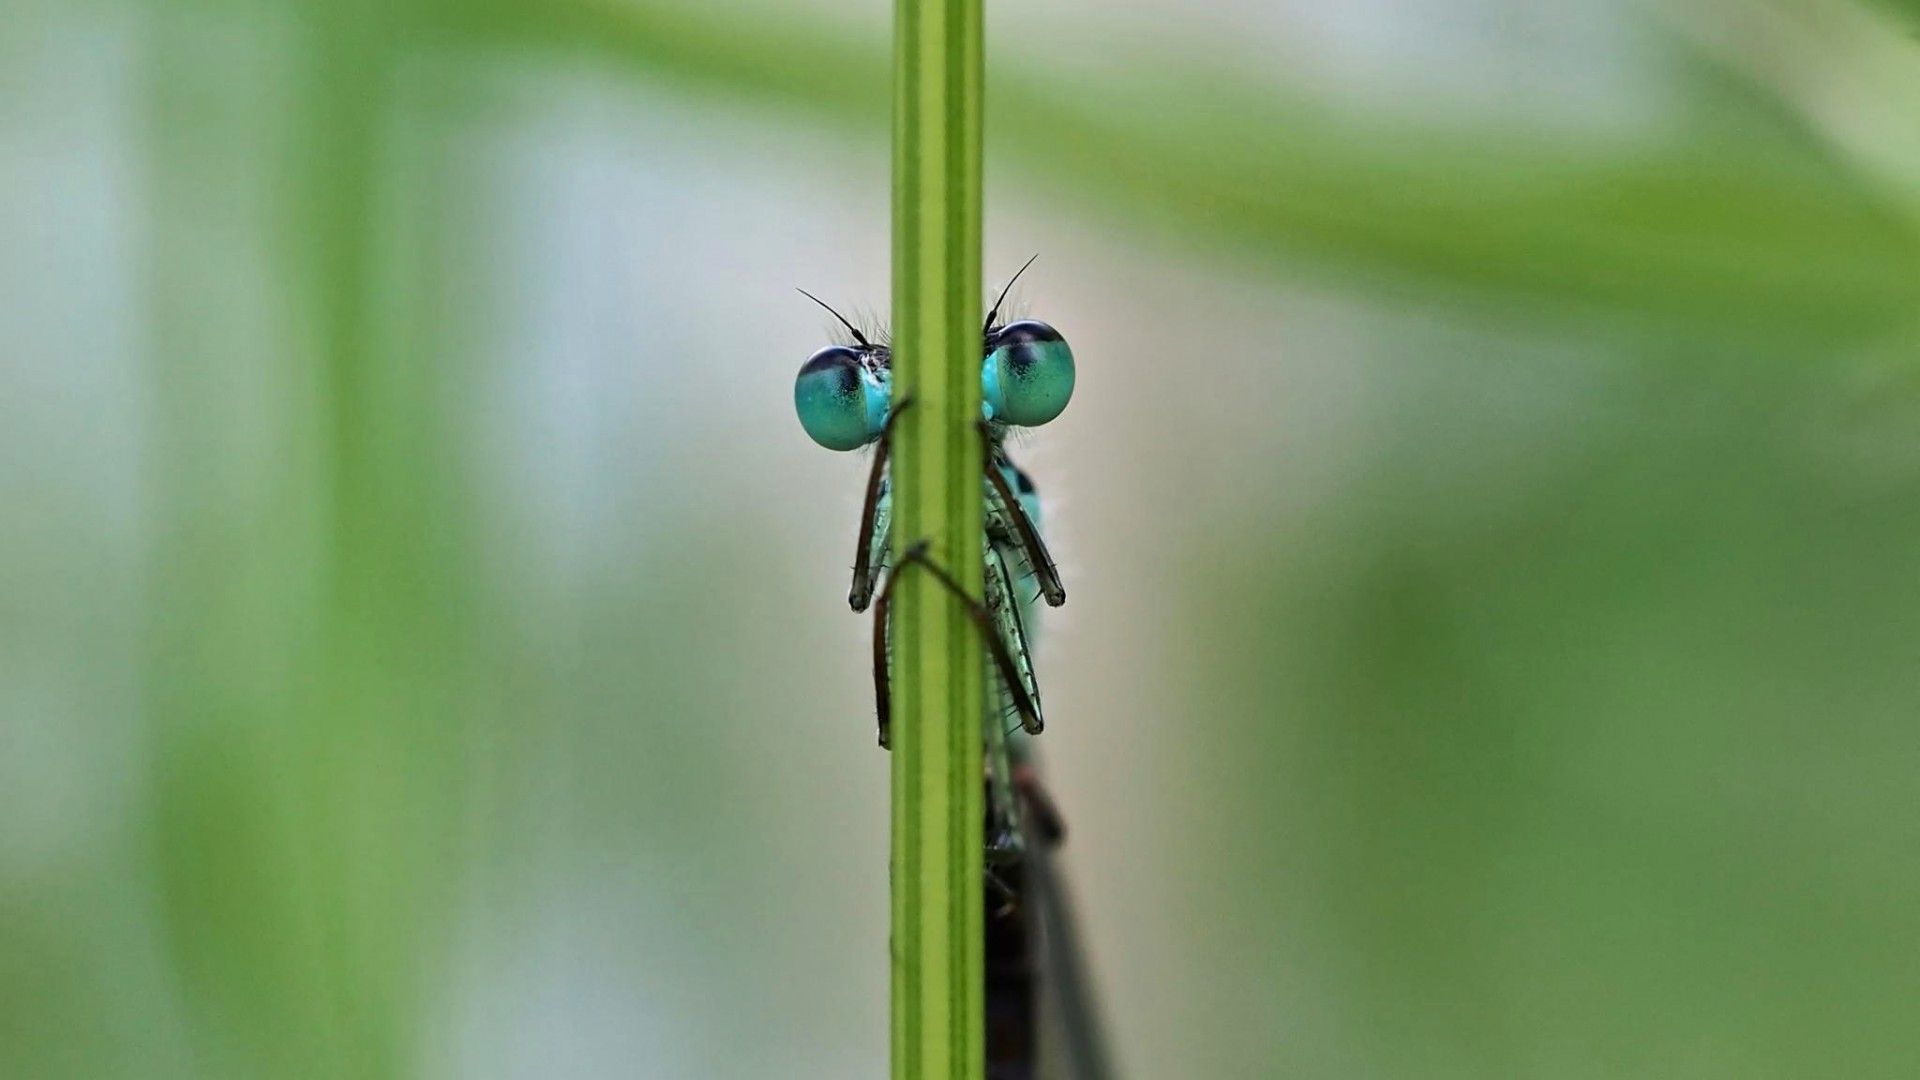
x: 309, y: 642
x: 937, y: 662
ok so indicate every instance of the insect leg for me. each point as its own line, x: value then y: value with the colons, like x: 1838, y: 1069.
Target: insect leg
x: 982, y: 619
x: 1036, y: 549
x: 862, y: 591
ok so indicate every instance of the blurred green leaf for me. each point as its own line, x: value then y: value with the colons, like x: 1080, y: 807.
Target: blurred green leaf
x: 1705, y: 234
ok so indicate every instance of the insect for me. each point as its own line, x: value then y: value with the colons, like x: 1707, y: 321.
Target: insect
x: 843, y: 395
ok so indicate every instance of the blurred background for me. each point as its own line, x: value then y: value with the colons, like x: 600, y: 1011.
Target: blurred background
x: 1491, y: 512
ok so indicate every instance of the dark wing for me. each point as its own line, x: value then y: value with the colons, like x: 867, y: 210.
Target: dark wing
x: 1072, y: 1039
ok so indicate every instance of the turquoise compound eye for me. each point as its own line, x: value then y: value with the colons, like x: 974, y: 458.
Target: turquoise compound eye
x: 841, y: 401
x: 1028, y: 375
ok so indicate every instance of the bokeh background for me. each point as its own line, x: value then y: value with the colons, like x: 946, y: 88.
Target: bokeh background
x: 1491, y: 513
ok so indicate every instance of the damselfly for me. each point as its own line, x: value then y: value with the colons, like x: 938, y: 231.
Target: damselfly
x: 844, y: 397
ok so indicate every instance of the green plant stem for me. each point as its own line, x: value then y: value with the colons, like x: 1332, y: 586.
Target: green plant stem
x: 936, y: 469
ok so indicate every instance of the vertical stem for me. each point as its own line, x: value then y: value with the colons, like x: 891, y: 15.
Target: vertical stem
x: 938, y: 674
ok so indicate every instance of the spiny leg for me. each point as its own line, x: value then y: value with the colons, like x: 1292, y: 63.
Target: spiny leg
x: 1029, y: 537
x: 1003, y: 602
x: 862, y: 591
x: 1004, y: 844
x: 982, y: 620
